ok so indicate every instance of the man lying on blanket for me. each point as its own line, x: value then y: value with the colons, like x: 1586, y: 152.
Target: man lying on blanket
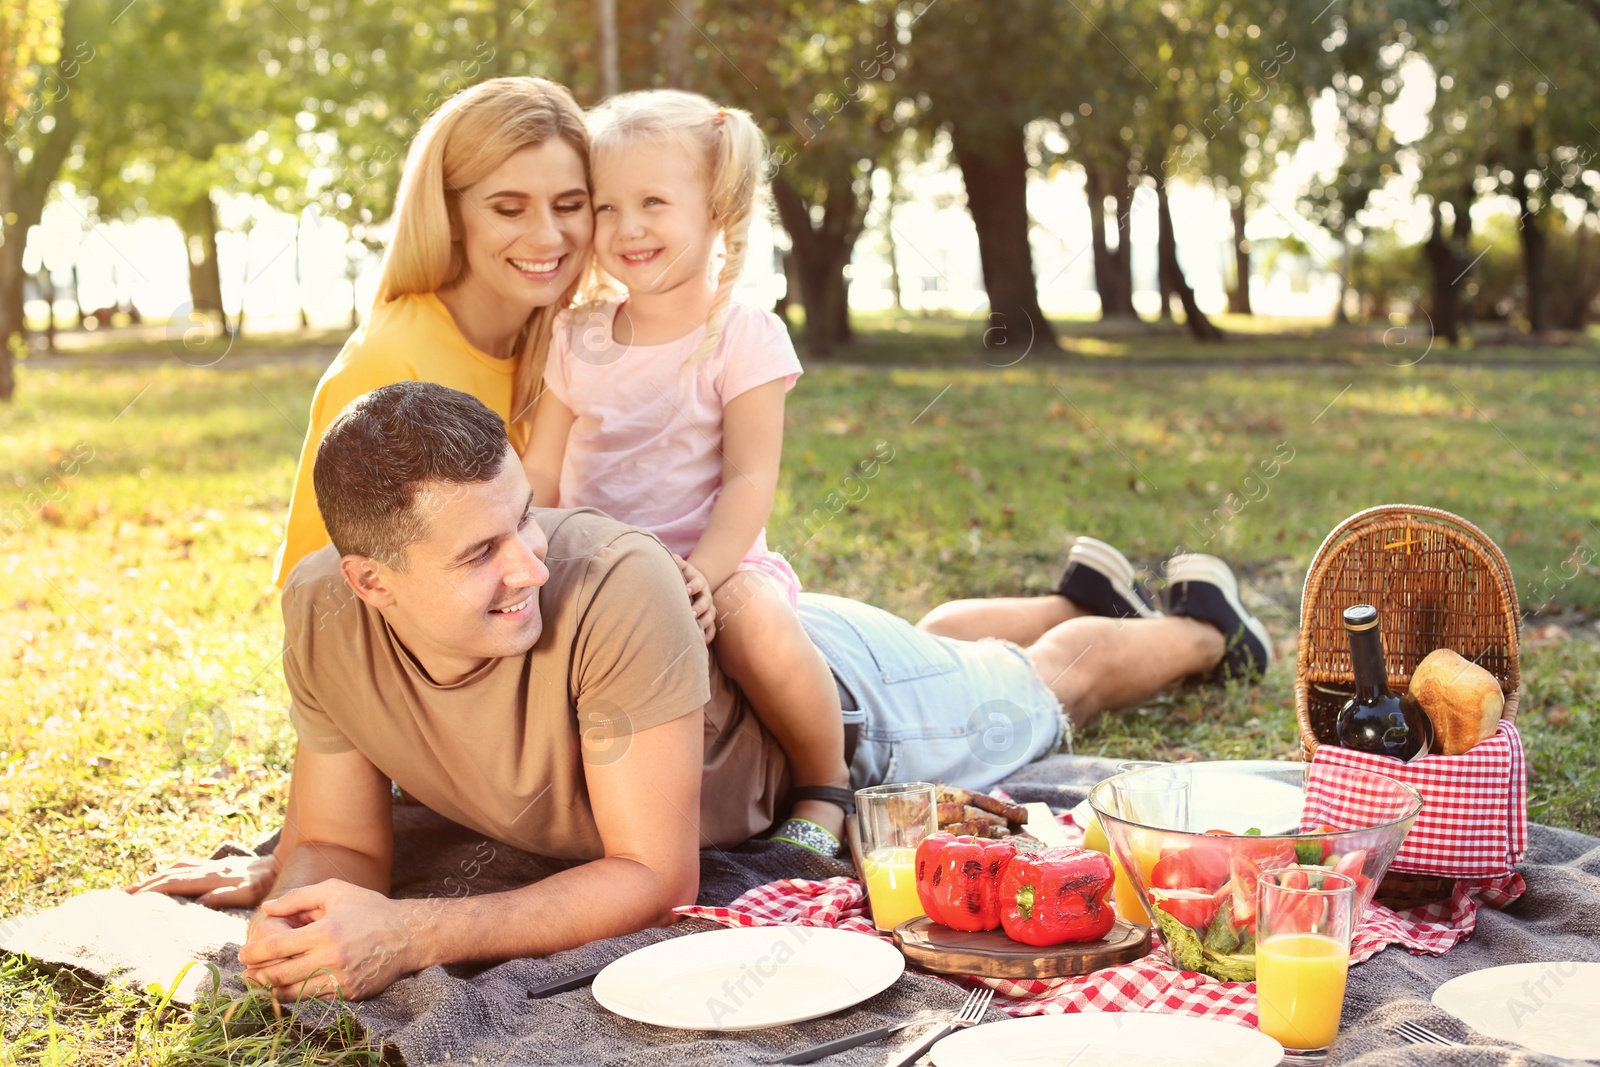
x: 541, y: 677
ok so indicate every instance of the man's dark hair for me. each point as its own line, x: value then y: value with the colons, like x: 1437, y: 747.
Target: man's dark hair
x: 385, y: 448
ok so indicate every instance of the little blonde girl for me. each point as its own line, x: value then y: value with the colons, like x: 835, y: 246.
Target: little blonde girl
x: 665, y: 410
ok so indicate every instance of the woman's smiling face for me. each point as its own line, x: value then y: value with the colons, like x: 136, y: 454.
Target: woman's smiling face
x: 527, y: 229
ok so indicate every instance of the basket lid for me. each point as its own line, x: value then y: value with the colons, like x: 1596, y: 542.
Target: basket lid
x: 1437, y: 581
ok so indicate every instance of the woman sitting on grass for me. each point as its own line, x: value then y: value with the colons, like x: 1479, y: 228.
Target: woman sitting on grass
x: 493, y: 234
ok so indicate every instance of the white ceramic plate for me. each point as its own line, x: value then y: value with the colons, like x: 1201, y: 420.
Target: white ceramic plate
x: 1548, y: 1007
x: 1108, y: 1039
x: 747, y: 978
x: 1247, y: 800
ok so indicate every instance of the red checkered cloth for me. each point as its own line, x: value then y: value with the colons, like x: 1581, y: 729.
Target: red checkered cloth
x: 1153, y: 983
x: 840, y: 903
x: 1150, y: 984
x: 1474, y: 821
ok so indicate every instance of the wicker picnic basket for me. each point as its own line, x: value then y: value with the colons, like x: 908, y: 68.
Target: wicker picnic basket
x: 1437, y: 582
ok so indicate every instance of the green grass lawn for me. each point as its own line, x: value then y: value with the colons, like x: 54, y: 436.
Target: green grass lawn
x: 935, y: 338
x: 140, y: 507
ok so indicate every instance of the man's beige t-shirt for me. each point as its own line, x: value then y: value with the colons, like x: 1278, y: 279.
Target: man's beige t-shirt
x: 499, y: 750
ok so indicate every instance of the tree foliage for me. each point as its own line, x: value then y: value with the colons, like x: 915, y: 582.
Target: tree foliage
x: 166, y: 106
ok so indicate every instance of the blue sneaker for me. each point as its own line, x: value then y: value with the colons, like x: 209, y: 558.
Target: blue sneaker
x: 1203, y: 587
x: 1101, y: 579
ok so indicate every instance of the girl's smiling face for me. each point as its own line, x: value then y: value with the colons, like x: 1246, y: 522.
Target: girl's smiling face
x: 654, y: 231
x: 526, y: 229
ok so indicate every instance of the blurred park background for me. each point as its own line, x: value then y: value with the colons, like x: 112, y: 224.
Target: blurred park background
x: 1076, y: 266
x: 1425, y: 163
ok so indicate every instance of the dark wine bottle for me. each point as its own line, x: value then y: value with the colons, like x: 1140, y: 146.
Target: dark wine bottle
x: 1375, y: 720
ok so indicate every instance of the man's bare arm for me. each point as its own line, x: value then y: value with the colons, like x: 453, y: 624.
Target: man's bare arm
x: 646, y: 803
x: 338, y: 825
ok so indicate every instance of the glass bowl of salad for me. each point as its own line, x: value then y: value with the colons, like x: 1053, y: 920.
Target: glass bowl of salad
x: 1194, y: 838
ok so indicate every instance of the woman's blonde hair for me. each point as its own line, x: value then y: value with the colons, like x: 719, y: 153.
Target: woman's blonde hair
x: 729, y: 153
x: 466, y: 139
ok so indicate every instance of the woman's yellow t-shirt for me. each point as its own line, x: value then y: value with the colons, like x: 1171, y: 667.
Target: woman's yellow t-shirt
x: 411, y: 338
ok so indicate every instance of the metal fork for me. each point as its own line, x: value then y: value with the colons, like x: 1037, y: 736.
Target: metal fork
x: 971, y: 1013
x: 828, y: 1048
x: 1418, y: 1034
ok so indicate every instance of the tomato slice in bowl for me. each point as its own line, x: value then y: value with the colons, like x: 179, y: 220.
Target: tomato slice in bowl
x: 1191, y: 907
x: 1199, y: 866
x: 1244, y: 878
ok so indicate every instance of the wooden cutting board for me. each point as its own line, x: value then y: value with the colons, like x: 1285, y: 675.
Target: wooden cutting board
x: 991, y: 954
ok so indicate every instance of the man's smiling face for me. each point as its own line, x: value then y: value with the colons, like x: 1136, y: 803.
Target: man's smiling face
x: 469, y: 589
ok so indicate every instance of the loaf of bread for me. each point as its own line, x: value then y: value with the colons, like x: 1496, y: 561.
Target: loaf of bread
x: 1462, y: 699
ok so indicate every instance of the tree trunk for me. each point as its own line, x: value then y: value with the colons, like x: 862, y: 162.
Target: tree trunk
x: 1571, y: 313
x: 832, y: 306
x: 13, y: 326
x: 1172, y: 278
x: 1239, y: 295
x: 351, y: 272
x: 299, y: 293
x: 606, y: 19
x: 994, y: 169
x: 889, y: 204
x: 791, y: 285
x: 1534, y: 242
x: 1461, y: 238
x: 23, y: 190
x: 244, y: 289
x: 1583, y: 282
x: 679, y: 38
x: 1122, y: 258
x: 819, y: 254
x: 198, y: 220
x: 1163, y: 276
x: 1094, y: 191
x: 1111, y: 279
x: 1445, y: 269
x: 1346, y: 263
x: 1589, y: 282
x: 47, y: 289
x: 825, y: 297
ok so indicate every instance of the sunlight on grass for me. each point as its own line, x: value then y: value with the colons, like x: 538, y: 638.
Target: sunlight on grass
x: 140, y: 508
x: 60, y: 1019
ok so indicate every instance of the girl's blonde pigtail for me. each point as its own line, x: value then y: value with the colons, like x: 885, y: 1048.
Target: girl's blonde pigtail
x: 739, y: 155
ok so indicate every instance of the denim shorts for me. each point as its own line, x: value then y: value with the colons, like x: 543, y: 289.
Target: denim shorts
x: 964, y: 712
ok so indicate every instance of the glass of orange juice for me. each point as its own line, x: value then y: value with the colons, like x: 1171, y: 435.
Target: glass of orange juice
x: 893, y: 820
x: 1304, y: 919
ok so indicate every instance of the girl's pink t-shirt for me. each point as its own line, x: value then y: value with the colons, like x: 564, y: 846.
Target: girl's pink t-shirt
x: 647, y: 444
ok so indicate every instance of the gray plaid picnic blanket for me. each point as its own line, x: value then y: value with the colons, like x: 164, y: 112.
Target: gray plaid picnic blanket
x: 482, y: 1015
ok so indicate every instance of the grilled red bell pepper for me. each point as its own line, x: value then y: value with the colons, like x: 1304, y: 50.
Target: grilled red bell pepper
x: 1056, y: 896
x: 958, y: 880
